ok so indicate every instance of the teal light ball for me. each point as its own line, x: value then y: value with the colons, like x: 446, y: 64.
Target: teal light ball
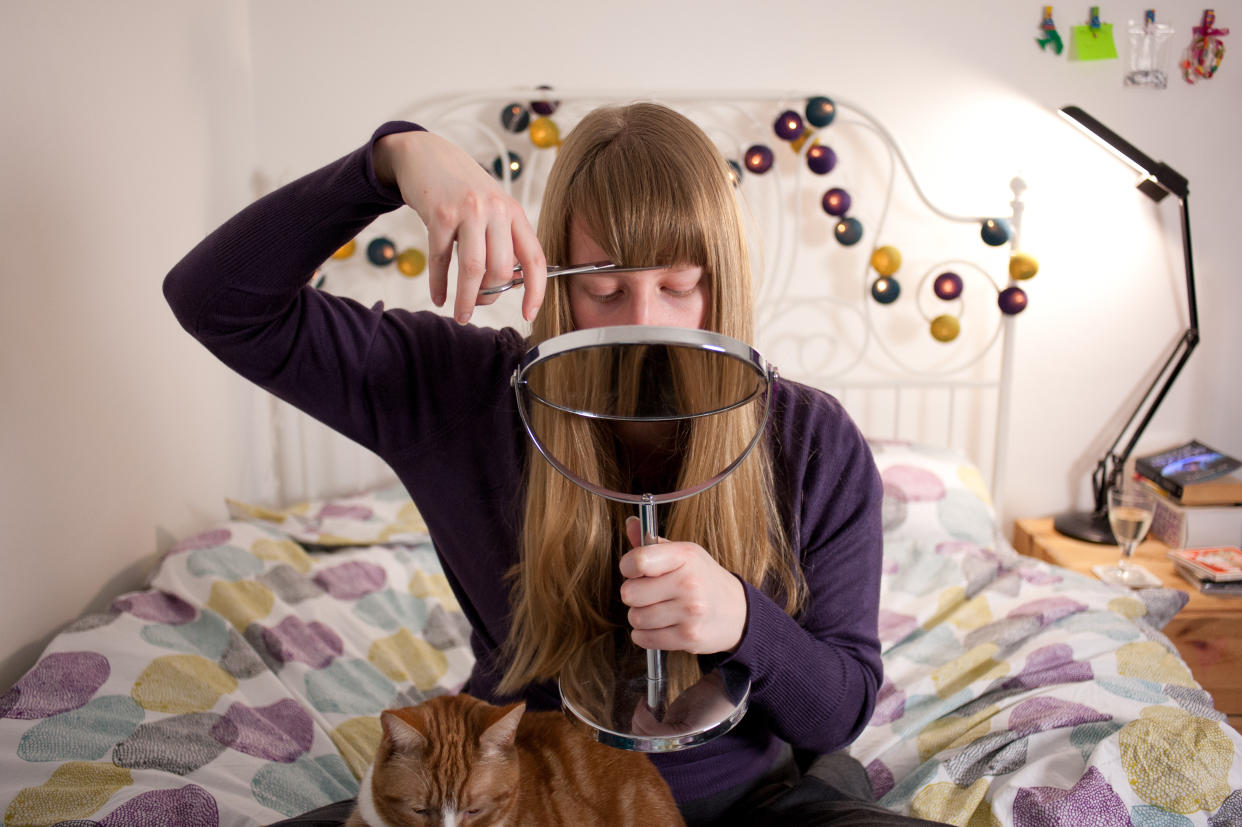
x: 515, y: 117
x: 820, y: 111
x: 848, y: 231
x: 885, y: 289
x: 994, y: 231
x: 515, y: 167
x: 381, y: 252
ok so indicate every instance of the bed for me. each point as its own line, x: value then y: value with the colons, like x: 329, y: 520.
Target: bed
x: 243, y: 685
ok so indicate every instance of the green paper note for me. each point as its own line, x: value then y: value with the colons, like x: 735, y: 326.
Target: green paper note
x: 1092, y: 45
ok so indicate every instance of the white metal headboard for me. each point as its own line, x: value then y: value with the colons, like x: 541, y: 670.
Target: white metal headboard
x: 817, y: 319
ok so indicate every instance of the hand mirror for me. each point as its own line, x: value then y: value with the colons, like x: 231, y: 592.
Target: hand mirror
x: 637, y: 394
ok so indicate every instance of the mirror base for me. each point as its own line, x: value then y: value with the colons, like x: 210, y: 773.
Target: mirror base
x: 705, y: 711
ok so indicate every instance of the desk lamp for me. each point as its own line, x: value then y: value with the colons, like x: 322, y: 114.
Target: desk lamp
x: 1157, y: 182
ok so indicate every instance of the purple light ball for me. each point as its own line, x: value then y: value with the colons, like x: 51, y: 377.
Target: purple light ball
x: 821, y: 159
x: 947, y: 286
x: 1012, y: 301
x: 836, y: 202
x: 544, y: 107
x: 789, y: 125
x: 758, y: 159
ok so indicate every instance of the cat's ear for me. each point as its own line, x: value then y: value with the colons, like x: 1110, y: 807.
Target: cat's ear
x: 401, y: 734
x: 499, y: 737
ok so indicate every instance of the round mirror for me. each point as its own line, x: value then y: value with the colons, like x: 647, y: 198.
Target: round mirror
x: 634, y: 388
x: 617, y: 410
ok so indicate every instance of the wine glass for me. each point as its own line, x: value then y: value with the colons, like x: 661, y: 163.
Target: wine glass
x: 1130, y: 513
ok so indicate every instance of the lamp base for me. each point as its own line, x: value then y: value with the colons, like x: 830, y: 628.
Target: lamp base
x: 1085, y: 525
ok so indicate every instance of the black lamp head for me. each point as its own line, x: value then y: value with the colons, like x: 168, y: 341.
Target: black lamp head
x: 1158, y: 180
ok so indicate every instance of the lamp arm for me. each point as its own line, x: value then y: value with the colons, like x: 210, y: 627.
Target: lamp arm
x: 1108, y: 470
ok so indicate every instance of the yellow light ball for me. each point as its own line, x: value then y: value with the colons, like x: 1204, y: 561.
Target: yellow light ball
x: 1022, y: 266
x: 347, y: 250
x: 886, y: 260
x: 411, y: 262
x: 797, y: 143
x: 544, y: 133
x: 945, y: 328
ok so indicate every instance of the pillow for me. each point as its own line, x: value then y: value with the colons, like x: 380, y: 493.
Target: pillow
x: 934, y: 492
x: 386, y: 516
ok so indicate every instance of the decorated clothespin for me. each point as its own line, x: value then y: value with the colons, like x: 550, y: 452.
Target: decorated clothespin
x: 1050, y: 35
x: 1206, y: 49
x: 1149, y: 18
x: 1095, y: 40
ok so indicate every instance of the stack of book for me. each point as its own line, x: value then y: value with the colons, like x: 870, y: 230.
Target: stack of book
x: 1212, y: 570
x: 1200, y: 495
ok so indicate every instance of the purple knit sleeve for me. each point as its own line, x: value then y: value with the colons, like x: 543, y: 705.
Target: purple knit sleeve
x: 245, y: 293
x: 816, y: 677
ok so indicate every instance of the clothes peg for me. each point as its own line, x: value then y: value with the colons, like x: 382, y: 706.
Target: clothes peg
x: 1095, y: 21
x: 1149, y: 18
x: 1050, y: 35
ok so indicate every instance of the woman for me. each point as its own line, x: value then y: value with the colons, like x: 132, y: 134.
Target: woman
x: 775, y: 571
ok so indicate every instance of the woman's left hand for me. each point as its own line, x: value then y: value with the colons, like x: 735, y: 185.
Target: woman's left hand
x: 679, y: 597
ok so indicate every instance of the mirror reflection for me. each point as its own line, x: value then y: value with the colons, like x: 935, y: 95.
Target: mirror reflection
x: 621, y: 418
x: 650, y: 382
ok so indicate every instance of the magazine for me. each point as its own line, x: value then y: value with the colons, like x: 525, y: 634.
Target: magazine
x: 1220, y: 564
x: 1213, y: 587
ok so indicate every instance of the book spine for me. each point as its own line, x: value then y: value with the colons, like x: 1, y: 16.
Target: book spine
x: 1175, y: 489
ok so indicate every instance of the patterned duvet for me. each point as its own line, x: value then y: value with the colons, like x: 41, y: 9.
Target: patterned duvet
x: 244, y: 685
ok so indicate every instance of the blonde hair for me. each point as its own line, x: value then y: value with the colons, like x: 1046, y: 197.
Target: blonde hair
x: 650, y: 188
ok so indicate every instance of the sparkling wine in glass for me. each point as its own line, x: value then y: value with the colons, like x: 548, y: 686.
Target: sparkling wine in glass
x: 1130, y: 512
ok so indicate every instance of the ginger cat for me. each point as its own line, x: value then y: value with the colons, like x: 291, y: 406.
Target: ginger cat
x: 456, y: 761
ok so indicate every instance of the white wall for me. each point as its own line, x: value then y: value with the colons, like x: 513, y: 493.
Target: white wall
x: 139, y: 126
x: 127, y: 133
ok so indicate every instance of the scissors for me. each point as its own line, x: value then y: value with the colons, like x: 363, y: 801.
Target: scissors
x: 562, y: 270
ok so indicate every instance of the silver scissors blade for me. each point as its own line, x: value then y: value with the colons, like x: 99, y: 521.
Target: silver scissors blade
x: 566, y: 270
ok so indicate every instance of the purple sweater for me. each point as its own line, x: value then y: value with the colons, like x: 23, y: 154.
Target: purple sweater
x: 432, y: 398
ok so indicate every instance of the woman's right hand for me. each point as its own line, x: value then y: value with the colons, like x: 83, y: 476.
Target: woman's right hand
x: 460, y: 202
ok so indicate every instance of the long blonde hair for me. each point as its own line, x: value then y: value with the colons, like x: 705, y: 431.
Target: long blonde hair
x: 650, y: 188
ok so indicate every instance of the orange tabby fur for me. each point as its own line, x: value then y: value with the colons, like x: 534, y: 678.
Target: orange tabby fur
x: 456, y: 760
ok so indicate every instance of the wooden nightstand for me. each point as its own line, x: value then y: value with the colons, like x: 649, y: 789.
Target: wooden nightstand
x: 1207, y: 631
